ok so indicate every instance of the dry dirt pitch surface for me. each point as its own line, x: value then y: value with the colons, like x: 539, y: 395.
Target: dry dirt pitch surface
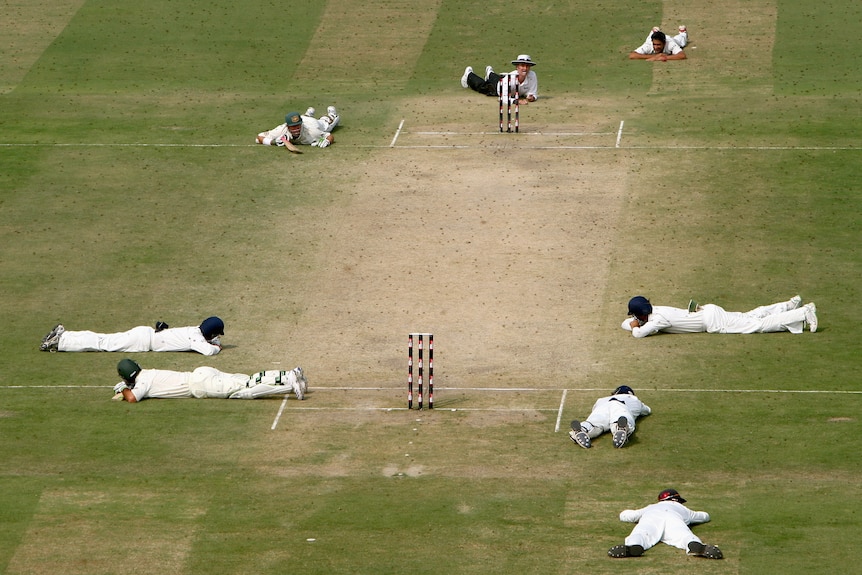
x: 487, y: 240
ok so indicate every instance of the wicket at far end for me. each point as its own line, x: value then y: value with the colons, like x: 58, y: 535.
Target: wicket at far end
x: 508, y: 89
x: 421, y: 341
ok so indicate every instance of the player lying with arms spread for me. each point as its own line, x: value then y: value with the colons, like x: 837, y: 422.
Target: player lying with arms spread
x: 667, y: 521
x: 304, y: 129
x: 658, y: 47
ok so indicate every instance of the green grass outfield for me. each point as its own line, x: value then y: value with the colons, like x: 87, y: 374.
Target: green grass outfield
x: 130, y: 192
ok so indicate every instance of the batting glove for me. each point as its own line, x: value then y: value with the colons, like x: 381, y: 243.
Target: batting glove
x: 120, y: 387
x: 323, y: 142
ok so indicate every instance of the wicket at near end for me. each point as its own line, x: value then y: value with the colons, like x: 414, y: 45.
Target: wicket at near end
x: 420, y: 340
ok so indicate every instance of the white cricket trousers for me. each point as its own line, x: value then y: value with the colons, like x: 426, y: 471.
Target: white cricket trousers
x: 667, y: 528
x: 208, y: 382
x: 136, y: 339
x: 759, y: 320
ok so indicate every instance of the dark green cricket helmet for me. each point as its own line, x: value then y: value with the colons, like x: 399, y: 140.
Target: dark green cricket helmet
x: 128, y: 370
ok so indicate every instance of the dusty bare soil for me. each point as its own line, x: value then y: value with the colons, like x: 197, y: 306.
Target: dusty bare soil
x: 497, y: 246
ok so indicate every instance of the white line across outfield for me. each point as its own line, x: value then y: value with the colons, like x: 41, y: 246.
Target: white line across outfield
x: 520, y: 389
x: 455, y: 146
x: 126, y: 145
x: 305, y: 406
x: 696, y: 148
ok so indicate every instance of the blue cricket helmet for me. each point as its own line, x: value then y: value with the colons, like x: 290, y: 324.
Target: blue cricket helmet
x: 624, y: 389
x: 211, y: 327
x: 639, y: 306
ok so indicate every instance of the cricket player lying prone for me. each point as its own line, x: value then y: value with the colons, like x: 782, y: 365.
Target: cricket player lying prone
x: 203, y: 339
x: 205, y: 382
x: 645, y: 319
x: 304, y: 129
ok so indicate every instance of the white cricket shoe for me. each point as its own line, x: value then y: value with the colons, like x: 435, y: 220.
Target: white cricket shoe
x: 299, y: 383
x: 794, y: 302
x: 488, y: 71
x: 621, y: 435
x: 297, y: 391
x: 682, y: 37
x: 51, y: 342
x: 330, y: 120
x: 310, y: 112
x: 811, y: 316
x: 300, y: 377
x: 580, y: 436
x: 467, y: 71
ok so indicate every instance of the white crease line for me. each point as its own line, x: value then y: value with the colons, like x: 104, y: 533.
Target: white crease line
x: 127, y: 145
x: 560, y: 412
x: 685, y: 148
x: 521, y: 133
x: 397, y: 133
x: 417, y: 412
x: 280, y: 411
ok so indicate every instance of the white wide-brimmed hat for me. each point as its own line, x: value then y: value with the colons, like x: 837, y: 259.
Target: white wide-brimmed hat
x: 524, y: 59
